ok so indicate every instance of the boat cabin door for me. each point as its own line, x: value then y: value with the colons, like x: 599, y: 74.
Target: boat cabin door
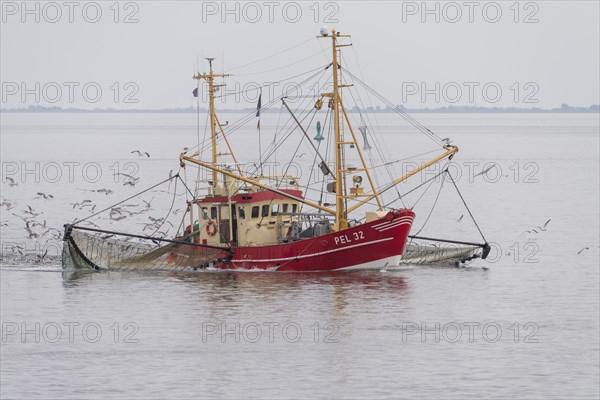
x: 224, y: 215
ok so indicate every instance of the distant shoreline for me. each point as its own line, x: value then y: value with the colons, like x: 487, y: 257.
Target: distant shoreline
x: 566, y: 109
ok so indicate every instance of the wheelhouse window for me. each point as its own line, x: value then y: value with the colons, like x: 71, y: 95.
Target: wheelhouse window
x: 294, y: 208
x: 241, y: 212
x: 265, y: 211
x: 204, y: 212
x: 213, y: 213
x: 284, y: 208
x: 275, y: 209
x: 255, y: 212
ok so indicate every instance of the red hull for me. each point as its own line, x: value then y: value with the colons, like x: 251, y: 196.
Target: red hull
x: 370, y: 245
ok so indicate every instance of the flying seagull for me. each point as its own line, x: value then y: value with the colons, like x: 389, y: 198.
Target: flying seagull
x: 530, y: 231
x: 543, y: 228
x: 44, y: 196
x: 133, y: 178
x: 105, y: 191
x: 484, y: 172
x: 139, y: 153
x: 580, y: 251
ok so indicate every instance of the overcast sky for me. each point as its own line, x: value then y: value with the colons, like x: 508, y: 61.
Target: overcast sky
x: 541, y: 53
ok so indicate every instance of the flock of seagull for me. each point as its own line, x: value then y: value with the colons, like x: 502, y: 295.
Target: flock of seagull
x: 36, y: 227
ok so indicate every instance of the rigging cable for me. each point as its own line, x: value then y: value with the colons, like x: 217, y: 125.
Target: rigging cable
x: 401, y: 112
x: 271, y: 56
x: 467, y: 207
x: 434, y: 204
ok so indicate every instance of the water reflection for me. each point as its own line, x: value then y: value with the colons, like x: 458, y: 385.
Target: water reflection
x: 261, y: 294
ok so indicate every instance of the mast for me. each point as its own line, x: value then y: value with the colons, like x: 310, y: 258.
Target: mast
x: 341, y: 214
x: 212, y: 88
x: 341, y: 210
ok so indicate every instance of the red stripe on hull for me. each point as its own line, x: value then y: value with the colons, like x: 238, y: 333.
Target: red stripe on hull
x: 359, y: 245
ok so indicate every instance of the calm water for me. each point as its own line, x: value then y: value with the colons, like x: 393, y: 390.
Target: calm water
x: 522, y: 324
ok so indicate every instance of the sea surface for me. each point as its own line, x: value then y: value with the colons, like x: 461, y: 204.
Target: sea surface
x: 522, y: 324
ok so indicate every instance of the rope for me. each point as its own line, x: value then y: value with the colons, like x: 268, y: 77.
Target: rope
x: 186, y: 186
x: 271, y: 56
x: 467, y: 207
x: 168, y: 212
x: 271, y: 83
x: 127, y: 199
x: 404, y: 114
x: 417, y: 187
x: 433, y: 207
x: 81, y: 228
x: 282, y: 67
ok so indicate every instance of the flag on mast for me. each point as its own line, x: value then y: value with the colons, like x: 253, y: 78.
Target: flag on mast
x: 258, y: 107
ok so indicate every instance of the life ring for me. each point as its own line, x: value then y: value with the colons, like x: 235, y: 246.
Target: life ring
x: 211, y: 228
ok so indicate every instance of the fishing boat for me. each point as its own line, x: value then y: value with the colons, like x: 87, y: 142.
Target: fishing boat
x: 241, y: 221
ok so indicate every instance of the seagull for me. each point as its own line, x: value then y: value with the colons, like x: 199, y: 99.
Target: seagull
x: 118, y: 218
x: 301, y: 155
x: 90, y: 223
x: 34, y: 224
x: 11, y: 181
x: 18, y: 216
x: 41, y: 258
x: 32, y: 234
x: 460, y: 218
x: 165, y: 191
x: 580, y: 251
x: 133, y: 178
x: 148, y: 202
x: 139, y: 153
x: 30, y: 211
x: 130, y: 183
x: 105, y: 191
x: 487, y: 170
x: 18, y: 247
x: 57, y: 235
x: 530, y: 231
x: 543, y: 228
x: 151, y: 225
x: 44, y: 196
x: 80, y: 204
x: 6, y: 203
x: 170, y: 179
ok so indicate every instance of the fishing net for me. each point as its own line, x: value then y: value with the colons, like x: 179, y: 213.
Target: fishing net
x: 85, y: 248
x: 439, y: 254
